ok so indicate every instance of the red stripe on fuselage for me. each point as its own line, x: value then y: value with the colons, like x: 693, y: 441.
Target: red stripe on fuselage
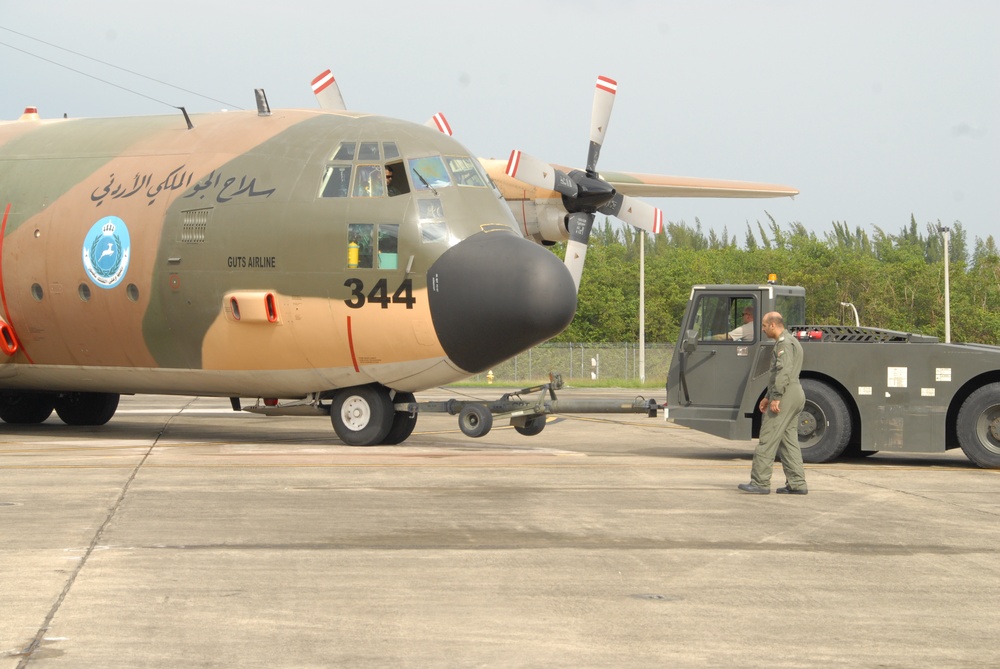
x: 3, y: 293
x: 350, y: 343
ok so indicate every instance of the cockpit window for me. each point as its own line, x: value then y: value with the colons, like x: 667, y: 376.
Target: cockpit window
x: 433, y: 227
x: 395, y: 179
x: 369, y: 181
x: 368, y: 151
x: 428, y: 173
x: 336, y: 181
x: 372, y: 169
x: 345, y: 151
x: 464, y: 170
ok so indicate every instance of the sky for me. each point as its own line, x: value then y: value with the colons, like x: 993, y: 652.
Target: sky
x: 875, y: 110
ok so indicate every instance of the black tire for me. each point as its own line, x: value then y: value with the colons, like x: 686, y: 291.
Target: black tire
x: 86, y: 408
x: 475, y: 420
x: 824, y: 423
x: 363, y: 415
x: 978, y: 426
x: 532, y: 426
x: 25, y: 408
x: 402, y: 422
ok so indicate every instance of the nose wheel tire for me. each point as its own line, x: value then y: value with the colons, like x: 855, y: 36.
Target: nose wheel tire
x: 362, y: 416
x: 402, y: 422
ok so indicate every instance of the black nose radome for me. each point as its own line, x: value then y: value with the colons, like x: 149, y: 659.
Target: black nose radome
x: 494, y: 295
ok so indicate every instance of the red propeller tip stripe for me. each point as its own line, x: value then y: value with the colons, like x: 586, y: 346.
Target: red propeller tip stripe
x: 322, y: 81
x: 512, y: 164
x: 609, y: 85
x: 658, y: 222
x: 442, y: 124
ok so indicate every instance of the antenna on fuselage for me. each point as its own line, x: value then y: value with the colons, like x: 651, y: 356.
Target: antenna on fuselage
x: 187, y: 118
x: 263, y: 109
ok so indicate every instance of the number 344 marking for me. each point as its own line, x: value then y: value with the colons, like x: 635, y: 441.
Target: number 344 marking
x: 379, y: 294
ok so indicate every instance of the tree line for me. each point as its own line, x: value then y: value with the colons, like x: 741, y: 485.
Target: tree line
x: 895, y: 280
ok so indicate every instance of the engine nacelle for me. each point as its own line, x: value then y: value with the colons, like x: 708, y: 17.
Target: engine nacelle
x: 542, y: 220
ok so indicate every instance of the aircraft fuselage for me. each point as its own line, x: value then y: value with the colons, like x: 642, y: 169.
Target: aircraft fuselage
x: 259, y: 256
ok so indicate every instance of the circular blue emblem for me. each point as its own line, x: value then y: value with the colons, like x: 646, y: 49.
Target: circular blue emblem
x: 106, y: 250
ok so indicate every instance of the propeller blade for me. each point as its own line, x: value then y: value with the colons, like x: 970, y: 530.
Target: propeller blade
x: 328, y: 92
x: 635, y: 212
x: 579, y: 226
x: 532, y: 171
x: 604, y: 100
x: 441, y: 123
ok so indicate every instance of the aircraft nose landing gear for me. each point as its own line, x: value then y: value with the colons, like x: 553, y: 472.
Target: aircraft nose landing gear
x: 363, y: 415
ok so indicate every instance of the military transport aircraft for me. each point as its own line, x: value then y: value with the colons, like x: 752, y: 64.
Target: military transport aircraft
x: 335, y: 260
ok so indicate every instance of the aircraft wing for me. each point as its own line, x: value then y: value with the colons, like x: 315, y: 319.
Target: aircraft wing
x: 657, y: 185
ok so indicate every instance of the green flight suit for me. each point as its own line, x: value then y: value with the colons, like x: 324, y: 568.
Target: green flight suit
x: 779, y: 431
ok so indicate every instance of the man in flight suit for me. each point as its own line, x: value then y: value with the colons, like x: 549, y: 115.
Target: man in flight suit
x: 781, y: 407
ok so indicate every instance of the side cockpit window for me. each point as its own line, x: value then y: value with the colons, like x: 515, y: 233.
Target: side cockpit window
x: 395, y: 179
x: 725, y: 318
x: 463, y: 168
x: 373, y: 246
x: 336, y: 181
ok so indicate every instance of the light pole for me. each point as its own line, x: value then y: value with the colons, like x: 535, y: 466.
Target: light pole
x: 642, y: 306
x: 947, y: 289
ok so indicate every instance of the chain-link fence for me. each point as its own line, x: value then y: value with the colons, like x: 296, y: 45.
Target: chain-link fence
x: 619, y: 362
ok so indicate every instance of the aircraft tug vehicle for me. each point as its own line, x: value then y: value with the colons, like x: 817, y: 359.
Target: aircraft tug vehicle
x: 867, y: 389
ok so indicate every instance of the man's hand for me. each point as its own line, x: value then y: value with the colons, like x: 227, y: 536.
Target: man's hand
x: 774, y: 406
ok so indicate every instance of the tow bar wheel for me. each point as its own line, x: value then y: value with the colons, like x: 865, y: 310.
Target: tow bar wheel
x: 475, y: 420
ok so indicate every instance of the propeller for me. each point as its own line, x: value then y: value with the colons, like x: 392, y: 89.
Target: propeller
x: 327, y: 92
x: 439, y: 122
x: 585, y: 193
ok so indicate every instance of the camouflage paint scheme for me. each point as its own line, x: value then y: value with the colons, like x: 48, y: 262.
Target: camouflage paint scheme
x: 168, y: 327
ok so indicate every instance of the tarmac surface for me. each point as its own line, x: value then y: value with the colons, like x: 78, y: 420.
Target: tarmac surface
x: 182, y: 534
